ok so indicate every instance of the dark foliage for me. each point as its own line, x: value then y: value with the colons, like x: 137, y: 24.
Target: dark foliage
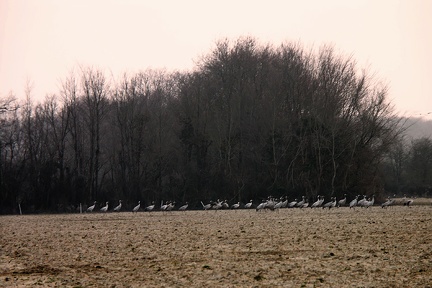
x: 248, y: 122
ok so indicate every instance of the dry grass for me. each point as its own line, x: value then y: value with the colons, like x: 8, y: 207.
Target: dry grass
x: 291, y: 248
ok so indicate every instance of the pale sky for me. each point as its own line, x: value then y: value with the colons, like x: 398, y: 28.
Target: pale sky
x: 42, y: 41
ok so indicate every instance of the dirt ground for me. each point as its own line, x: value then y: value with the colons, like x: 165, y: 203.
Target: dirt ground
x: 372, y: 247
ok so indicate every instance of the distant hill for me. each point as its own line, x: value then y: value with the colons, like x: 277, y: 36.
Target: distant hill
x: 417, y: 127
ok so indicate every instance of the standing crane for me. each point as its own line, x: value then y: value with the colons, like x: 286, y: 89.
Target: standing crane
x: 292, y: 203
x: 330, y: 204
x: 137, y: 207
x: 369, y: 203
x: 105, y: 208
x: 184, y: 207
x: 150, y: 207
x: 317, y: 203
x: 248, y: 205
x: 91, y: 208
x: 235, y: 206
x: 262, y: 205
x: 300, y: 204
x: 353, y: 202
x: 207, y: 206
x: 362, y: 202
x: 163, y: 207
x: 118, y: 207
x: 285, y: 202
x: 342, y: 202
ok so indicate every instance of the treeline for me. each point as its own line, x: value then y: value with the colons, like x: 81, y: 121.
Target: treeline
x: 250, y: 120
x: 407, y: 167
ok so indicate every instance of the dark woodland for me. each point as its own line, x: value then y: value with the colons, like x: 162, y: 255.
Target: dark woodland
x: 249, y: 121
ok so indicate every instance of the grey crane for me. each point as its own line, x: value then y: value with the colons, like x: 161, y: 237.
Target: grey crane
x: 342, y: 202
x: 184, y: 207
x: 91, y: 208
x: 137, y: 207
x: 248, y: 205
x: 353, y: 202
x: 118, y: 207
x: 105, y: 208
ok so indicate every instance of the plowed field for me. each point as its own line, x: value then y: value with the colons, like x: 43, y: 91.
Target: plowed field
x: 372, y: 247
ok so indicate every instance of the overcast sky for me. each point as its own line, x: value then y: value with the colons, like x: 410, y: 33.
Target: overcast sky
x: 43, y: 40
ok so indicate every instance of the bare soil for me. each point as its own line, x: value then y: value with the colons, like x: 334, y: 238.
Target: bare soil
x: 342, y: 247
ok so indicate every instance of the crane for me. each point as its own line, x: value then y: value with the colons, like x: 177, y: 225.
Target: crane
x: 367, y: 204
x: 292, y: 203
x: 300, y: 204
x: 235, y: 206
x: 225, y: 204
x: 105, y: 208
x: 261, y: 206
x: 342, y: 202
x: 330, y: 204
x: 118, y: 207
x: 91, y: 208
x: 353, y: 202
x: 285, y: 202
x: 362, y: 201
x: 150, y: 207
x: 163, y: 207
x: 248, y: 205
x: 207, y: 206
x: 184, y: 207
x: 317, y: 203
x: 170, y: 206
x: 270, y: 204
x: 137, y: 207
x: 305, y: 204
x: 217, y: 205
x: 389, y: 202
x: 278, y: 205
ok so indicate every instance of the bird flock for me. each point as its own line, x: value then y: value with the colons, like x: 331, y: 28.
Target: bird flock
x: 271, y: 203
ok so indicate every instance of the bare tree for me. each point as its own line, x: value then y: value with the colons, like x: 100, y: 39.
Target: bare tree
x: 9, y: 131
x: 132, y: 116
x: 95, y: 91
